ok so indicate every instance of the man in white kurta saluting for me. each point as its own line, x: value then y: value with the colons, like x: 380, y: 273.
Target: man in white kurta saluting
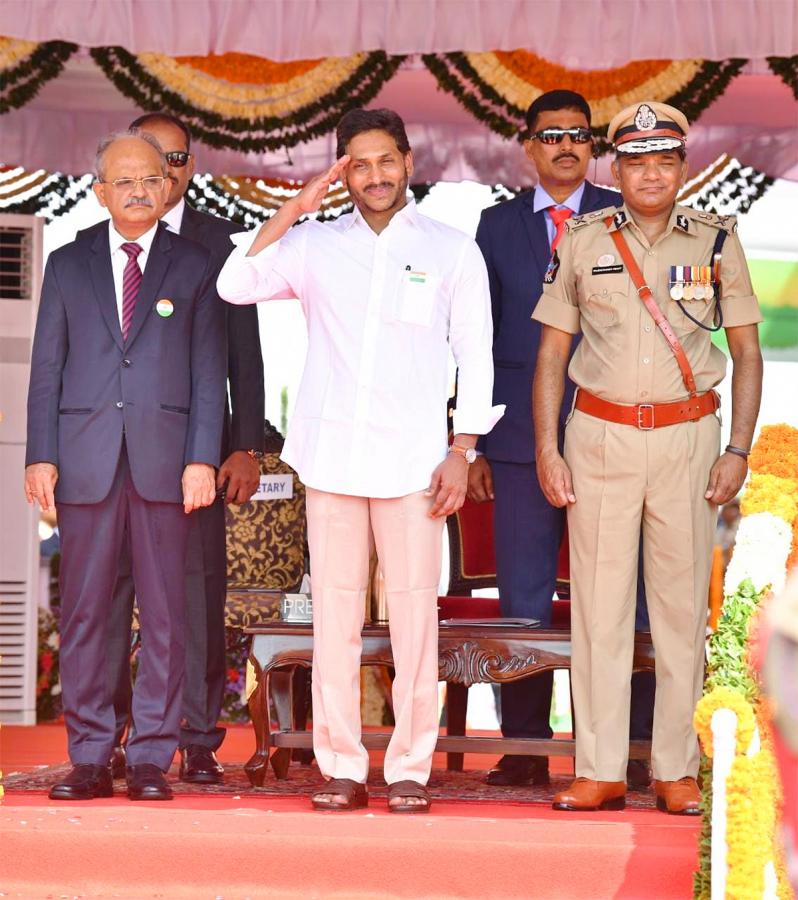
x: 386, y: 293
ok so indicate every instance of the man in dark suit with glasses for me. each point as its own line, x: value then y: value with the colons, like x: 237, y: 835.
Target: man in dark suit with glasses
x: 125, y: 412
x: 237, y: 478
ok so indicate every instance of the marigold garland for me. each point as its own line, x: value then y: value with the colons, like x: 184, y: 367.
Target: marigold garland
x: 498, y: 87
x: 724, y: 698
x: 249, y: 118
x: 776, y: 452
x: 770, y: 520
x: 748, y: 837
x: 770, y: 493
x: 243, y: 68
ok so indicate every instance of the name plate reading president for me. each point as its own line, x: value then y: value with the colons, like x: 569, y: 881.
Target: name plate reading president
x: 296, y: 608
x: 274, y: 487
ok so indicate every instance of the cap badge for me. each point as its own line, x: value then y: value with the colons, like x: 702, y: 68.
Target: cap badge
x: 645, y: 118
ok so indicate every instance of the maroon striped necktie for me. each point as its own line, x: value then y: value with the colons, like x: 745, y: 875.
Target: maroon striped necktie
x: 131, y: 282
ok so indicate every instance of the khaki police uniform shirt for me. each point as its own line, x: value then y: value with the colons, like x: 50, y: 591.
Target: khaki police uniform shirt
x: 623, y: 357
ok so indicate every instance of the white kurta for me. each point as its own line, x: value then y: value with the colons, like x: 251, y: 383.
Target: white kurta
x: 382, y: 311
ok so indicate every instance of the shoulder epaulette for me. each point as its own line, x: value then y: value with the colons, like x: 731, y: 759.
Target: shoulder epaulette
x: 725, y: 223
x: 588, y: 218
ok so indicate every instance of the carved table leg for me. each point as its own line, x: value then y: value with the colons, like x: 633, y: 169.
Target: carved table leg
x: 281, y: 694
x: 258, y: 763
x: 456, y: 707
x: 301, y: 702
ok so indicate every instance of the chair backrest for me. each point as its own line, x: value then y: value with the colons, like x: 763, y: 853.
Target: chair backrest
x: 266, y: 539
x: 472, y: 551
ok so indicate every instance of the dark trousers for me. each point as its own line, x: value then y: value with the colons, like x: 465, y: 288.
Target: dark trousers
x: 528, y: 532
x: 206, y: 586
x: 92, y: 539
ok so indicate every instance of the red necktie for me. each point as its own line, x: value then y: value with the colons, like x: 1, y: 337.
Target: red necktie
x: 131, y: 282
x: 558, y: 216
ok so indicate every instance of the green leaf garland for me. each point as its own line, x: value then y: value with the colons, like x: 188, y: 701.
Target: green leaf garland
x: 20, y: 83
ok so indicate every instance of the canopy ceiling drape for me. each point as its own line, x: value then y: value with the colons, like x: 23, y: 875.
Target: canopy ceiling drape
x: 464, y: 107
x: 574, y: 33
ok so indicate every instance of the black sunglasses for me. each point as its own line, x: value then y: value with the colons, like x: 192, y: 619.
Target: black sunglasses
x: 177, y: 158
x: 555, y: 135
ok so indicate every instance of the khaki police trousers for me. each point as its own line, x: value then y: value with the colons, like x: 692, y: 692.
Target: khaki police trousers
x: 408, y: 543
x: 625, y: 479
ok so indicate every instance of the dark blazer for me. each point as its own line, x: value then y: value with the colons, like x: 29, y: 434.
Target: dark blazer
x: 243, y: 426
x: 163, y: 389
x: 515, y: 244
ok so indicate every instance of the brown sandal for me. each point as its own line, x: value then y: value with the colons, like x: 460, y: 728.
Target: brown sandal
x: 408, y: 789
x: 356, y: 795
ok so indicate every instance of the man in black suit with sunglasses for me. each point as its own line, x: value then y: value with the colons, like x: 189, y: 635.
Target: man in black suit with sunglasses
x: 517, y: 239
x: 238, y: 477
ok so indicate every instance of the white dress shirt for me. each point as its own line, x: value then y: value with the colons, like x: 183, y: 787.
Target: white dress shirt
x: 119, y: 258
x: 173, y: 219
x: 382, y: 312
x: 543, y: 200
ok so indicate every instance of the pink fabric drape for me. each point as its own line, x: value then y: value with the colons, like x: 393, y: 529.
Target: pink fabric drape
x: 576, y: 33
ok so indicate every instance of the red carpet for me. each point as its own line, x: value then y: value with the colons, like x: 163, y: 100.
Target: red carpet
x: 211, y: 846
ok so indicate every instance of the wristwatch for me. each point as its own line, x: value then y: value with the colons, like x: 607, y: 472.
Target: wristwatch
x: 255, y: 454
x: 468, y: 453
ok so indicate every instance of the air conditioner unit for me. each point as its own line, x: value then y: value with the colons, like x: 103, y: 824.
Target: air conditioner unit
x: 20, y: 283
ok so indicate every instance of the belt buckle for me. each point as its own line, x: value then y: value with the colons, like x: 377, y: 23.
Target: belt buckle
x: 640, y: 408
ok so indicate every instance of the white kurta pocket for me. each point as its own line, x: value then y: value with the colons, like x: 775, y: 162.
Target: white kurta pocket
x: 417, y: 297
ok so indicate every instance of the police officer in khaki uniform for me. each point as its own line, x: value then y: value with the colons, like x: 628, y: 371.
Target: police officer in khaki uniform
x: 646, y: 284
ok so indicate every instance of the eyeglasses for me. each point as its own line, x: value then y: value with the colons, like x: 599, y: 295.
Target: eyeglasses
x: 555, y: 135
x: 177, y: 158
x: 152, y: 183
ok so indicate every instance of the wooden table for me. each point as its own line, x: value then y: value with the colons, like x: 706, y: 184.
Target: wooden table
x: 467, y: 654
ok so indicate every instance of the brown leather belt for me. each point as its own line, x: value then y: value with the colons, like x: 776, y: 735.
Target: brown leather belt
x: 646, y: 416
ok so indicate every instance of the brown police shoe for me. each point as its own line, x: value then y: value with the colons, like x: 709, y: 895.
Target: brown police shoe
x: 585, y: 794
x: 678, y: 798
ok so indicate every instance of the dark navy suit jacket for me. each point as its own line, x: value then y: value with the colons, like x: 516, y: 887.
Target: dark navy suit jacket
x: 515, y: 244
x: 243, y: 426
x: 163, y: 389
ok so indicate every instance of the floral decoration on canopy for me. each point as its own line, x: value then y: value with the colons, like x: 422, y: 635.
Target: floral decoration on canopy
x: 245, y: 102
x: 499, y: 86
x: 25, y: 66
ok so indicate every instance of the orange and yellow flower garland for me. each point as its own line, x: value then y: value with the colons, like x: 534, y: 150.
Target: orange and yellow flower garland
x: 753, y: 793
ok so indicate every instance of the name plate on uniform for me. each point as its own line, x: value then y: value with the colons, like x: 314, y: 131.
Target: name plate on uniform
x: 274, y: 487
x: 296, y: 608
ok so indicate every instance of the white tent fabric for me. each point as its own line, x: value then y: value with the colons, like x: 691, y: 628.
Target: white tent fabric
x: 575, y: 33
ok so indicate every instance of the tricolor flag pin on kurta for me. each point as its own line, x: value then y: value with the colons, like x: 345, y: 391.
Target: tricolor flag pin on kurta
x: 164, y: 308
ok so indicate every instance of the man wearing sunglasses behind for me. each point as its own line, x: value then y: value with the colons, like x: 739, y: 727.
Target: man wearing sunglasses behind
x: 238, y: 476
x: 517, y: 239
x: 125, y: 412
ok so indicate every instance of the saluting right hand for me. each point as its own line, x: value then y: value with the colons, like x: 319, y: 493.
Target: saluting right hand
x: 555, y: 479
x: 309, y: 199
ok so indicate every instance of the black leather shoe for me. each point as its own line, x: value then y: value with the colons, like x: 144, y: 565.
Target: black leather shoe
x: 511, y: 770
x: 146, y: 782
x: 638, y: 774
x: 199, y: 765
x: 84, y: 782
x: 118, y: 763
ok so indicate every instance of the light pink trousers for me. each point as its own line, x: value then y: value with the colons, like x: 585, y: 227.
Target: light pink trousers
x: 341, y: 532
